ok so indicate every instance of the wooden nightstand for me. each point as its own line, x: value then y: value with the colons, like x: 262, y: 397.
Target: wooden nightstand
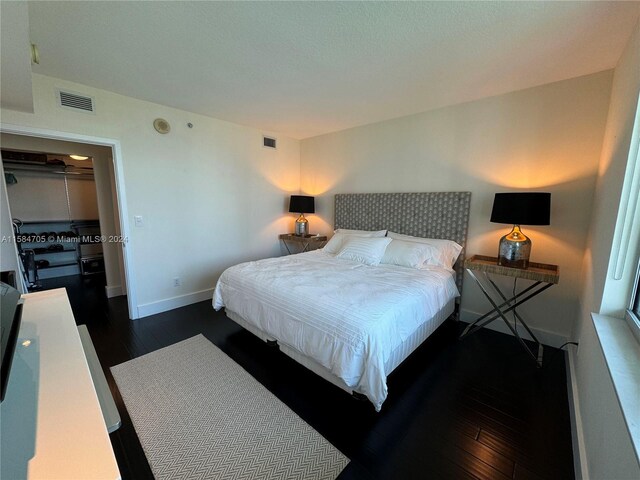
x: 305, y: 242
x: 543, y: 275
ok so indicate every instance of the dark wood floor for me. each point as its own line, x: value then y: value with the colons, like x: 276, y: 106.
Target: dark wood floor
x: 477, y: 408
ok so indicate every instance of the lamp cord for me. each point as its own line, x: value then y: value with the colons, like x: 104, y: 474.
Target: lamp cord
x: 515, y: 320
x: 560, y: 349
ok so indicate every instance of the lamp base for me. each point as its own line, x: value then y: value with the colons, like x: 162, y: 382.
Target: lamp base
x: 514, y: 249
x: 302, y: 226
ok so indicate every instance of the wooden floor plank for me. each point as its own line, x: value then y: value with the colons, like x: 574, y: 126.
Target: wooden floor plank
x: 486, y: 454
x: 472, y: 464
x: 477, y: 408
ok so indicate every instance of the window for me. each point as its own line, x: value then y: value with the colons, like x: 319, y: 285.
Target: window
x: 635, y: 306
x: 629, y: 239
x: 633, y: 314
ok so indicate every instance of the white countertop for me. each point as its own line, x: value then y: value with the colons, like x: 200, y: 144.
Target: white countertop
x: 51, y: 422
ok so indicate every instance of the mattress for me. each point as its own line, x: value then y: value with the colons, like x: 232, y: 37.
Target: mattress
x: 348, y: 318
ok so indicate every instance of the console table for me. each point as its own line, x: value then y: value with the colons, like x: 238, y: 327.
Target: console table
x: 543, y: 275
x: 52, y: 424
x: 303, y: 241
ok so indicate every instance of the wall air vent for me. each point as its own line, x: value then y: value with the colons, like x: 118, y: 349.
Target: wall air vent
x: 75, y: 101
x: 269, y: 142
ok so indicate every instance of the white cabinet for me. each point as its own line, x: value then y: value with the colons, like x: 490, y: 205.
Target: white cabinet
x: 51, y: 421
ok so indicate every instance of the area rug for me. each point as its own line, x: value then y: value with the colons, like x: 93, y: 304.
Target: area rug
x: 198, y: 414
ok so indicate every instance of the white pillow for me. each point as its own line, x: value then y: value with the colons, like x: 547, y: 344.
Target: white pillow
x: 448, y: 249
x: 365, y: 250
x: 409, y: 254
x: 363, y: 233
x: 335, y: 243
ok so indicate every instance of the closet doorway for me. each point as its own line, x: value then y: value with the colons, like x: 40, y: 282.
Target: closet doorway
x: 63, y: 203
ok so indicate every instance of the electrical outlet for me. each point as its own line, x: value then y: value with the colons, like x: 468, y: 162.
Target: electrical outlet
x: 177, y: 282
x: 138, y: 220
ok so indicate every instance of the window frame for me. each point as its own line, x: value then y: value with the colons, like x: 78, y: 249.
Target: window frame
x: 633, y: 312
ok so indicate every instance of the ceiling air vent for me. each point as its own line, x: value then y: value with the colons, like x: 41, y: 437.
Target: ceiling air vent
x: 75, y: 101
x: 269, y: 142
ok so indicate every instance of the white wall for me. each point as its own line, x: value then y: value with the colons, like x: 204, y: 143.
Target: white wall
x: 37, y: 197
x: 546, y: 138
x: 104, y: 195
x: 15, y: 82
x: 608, y: 446
x: 8, y: 255
x: 210, y: 196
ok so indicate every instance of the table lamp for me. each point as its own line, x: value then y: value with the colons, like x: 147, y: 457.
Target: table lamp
x: 302, y: 204
x: 525, y: 208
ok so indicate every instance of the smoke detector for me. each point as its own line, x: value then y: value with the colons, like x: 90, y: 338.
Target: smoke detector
x: 161, y: 125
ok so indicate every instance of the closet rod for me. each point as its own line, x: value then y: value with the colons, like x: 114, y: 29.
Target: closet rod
x: 46, y: 170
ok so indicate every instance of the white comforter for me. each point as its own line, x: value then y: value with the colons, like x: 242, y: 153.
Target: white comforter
x: 347, y: 316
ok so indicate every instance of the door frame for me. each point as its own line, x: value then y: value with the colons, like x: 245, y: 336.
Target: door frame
x: 125, y: 230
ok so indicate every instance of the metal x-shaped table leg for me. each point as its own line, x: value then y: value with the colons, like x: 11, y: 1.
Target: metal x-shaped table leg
x: 305, y: 247
x: 500, y: 312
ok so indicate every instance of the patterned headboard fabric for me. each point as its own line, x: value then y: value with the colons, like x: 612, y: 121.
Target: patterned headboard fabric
x: 429, y: 215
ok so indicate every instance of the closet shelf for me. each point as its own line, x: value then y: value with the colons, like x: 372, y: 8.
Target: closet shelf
x: 74, y: 242
x: 58, y: 251
x: 72, y: 222
x: 61, y: 264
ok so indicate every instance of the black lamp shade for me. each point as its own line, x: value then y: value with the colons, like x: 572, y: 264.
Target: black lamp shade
x: 525, y: 208
x: 302, y: 204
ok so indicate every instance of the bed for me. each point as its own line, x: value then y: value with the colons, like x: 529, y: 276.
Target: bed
x: 349, y: 322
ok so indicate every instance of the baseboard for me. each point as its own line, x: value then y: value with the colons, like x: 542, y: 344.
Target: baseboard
x: 113, y: 290
x: 174, y: 302
x: 552, y: 339
x: 577, y: 434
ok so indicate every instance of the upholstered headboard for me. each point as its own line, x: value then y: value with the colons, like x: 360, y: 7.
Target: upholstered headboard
x: 429, y: 215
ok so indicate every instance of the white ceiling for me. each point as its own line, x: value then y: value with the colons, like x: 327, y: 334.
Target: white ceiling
x: 15, y: 51
x: 307, y: 68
